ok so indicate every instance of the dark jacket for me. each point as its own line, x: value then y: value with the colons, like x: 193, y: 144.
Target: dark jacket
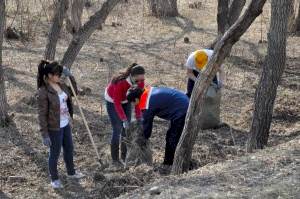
x: 49, y: 108
x: 166, y: 103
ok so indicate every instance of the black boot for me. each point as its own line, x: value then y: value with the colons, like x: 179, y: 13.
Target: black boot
x: 169, y: 155
x: 114, y: 151
x: 123, y: 150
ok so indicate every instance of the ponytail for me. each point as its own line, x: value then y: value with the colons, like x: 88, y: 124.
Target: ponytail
x: 133, y: 69
x: 41, y: 73
x: 45, y: 68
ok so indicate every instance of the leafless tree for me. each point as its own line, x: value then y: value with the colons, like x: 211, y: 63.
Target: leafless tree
x: 294, y: 17
x: 73, y: 23
x: 235, y: 10
x: 297, y: 21
x: 57, y: 23
x: 86, y: 31
x: 228, y: 12
x: 3, y: 100
x: 222, y: 50
x: 222, y: 16
x: 163, y: 8
x: 272, y: 72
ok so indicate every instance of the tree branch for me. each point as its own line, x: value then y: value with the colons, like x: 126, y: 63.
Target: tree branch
x: 86, y: 31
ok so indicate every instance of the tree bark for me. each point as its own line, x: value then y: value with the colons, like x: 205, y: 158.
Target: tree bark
x: 272, y: 72
x: 297, y: 21
x: 235, y: 9
x: 86, y: 31
x: 74, y: 22
x: 3, y: 100
x: 62, y: 6
x: 222, y: 16
x: 223, y: 47
x: 295, y: 24
x: 163, y: 8
x: 292, y: 19
x: 227, y: 15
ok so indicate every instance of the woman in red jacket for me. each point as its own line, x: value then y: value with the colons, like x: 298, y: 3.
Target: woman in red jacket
x: 118, y: 108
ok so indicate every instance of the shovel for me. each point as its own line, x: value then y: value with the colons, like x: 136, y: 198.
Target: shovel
x: 102, y: 165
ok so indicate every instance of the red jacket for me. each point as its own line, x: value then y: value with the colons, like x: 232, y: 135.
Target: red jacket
x: 116, y: 93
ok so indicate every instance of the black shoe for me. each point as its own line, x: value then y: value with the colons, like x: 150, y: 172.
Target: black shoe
x: 165, y: 169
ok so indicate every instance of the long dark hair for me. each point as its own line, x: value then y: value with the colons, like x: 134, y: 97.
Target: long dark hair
x: 134, y: 93
x: 133, y: 69
x: 44, y: 69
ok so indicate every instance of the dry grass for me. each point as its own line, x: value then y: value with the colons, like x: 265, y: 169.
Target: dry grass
x: 272, y: 173
x: 159, y: 46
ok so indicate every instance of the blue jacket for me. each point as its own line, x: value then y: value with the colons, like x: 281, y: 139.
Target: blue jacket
x: 166, y: 103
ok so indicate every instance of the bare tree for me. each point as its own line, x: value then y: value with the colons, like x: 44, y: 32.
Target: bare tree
x: 294, y: 17
x: 222, y: 16
x: 58, y: 19
x: 163, y: 8
x: 3, y: 100
x: 272, y: 72
x: 86, y: 31
x: 235, y: 10
x: 297, y: 21
x: 74, y: 22
x: 223, y: 48
x: 228, y: 13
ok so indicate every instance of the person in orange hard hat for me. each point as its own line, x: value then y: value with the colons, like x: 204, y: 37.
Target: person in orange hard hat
x: 197, y: 62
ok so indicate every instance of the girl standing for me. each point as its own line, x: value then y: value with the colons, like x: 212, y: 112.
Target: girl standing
x: 55, y: 110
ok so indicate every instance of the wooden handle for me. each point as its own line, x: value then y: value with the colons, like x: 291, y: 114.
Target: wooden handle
x: 84, y: 119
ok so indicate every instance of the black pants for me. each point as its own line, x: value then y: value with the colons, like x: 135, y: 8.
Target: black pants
x: 172, y: 139
x: 191, y: 83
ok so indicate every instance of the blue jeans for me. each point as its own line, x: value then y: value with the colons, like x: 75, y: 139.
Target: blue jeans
x: 61, y: 139
x: 116, y: 122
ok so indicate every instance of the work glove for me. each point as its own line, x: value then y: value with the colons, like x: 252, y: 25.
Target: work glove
x: 47, y: 141
x: 66, y: 72
x: 125, y: 124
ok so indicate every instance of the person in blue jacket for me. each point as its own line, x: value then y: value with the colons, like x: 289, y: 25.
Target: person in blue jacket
x: 165, y: 103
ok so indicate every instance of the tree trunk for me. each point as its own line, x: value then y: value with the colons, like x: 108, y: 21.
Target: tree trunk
x: 292, y: 18
x: 163, y: 8
x: 272, y: 71
x: 222, y: 16
x: 227, y: 16
x: 185, y: 146
x: 61, y: 8
x: 74, y: 23
x: 86, y: 31
x: 3, y: 100
x: 235, y: 9
x: 297, y: 21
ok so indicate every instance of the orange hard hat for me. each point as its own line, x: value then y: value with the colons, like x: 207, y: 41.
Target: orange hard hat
x: 201, y: 59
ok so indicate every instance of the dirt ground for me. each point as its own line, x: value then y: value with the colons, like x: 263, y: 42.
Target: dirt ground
x: 271, y: 173
x: 159, y: 46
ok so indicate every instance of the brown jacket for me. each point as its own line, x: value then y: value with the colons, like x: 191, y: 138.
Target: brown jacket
x: 49, y: 108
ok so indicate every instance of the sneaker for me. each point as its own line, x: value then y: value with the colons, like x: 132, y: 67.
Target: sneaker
x: 56, y: 184
x: 77, y: 175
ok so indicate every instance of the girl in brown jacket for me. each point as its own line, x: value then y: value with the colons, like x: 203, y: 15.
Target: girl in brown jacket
x: 55, y: 110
